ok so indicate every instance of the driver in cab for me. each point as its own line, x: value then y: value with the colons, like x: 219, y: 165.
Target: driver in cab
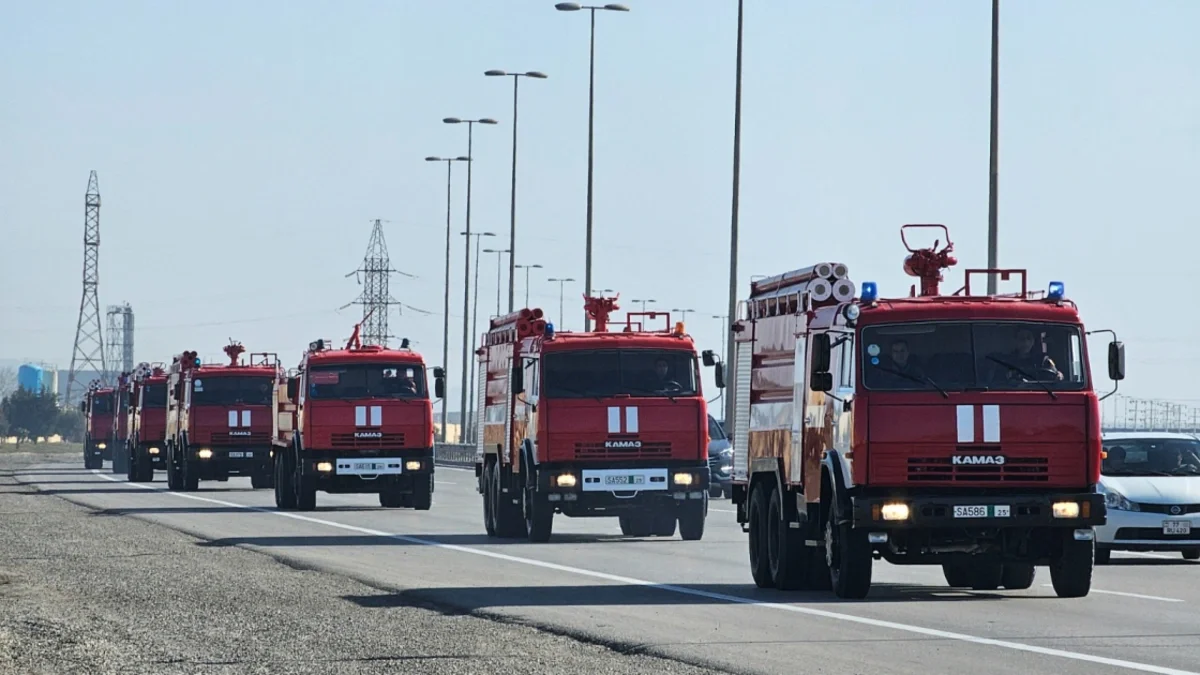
x: 660, y: 378
x: 1036, y: 366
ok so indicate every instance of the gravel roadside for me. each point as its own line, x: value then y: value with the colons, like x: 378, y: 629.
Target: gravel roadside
x: 87, y: 594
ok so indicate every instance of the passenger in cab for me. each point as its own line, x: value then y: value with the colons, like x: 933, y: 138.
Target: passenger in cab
x: 901, y: 368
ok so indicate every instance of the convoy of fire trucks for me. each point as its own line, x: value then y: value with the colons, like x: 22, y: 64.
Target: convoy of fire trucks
x: 960, y: 430
x: 957, y: 430
x: 591, y: 424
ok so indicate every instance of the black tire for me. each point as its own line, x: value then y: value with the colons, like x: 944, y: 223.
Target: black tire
x: 636, y: 525
x: 1071, y: 567
x: 189, y: 479
x: 986, y: 575
x: 285, y: 490
x: 714, y: 492
x: 664, y: 524
x: 306, y: 490
x: 957, y: 575
x: 692, y: 515
x: 785, y: 548
x: 510, y: 518
x: 1104, y: 556
x: 1191, y: 554
x: 760, y: 568
x: 485, y: 489
x: 173, y: 477
x: 848, y: 554
x: 539, y: 515
x: 390, y: 497
x: 1017, y: 576
x: 422, y: 495
x: 132, y: 472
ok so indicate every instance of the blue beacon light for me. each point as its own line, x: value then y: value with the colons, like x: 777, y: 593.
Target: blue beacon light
x: 1057, y: 290
x: 549, y: 330
x: 870, y: 291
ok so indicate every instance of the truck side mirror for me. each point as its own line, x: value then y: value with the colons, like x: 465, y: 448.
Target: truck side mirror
x: 439, y: 373
x: 518, y: 378
x: 293, y: 388
x: 1116, y: 361
x: 709, y: 359
x: 821, y: 381
x: 83, y: 407
x: 820, y: 355
x: 439, y: 385
x: 719, y: 375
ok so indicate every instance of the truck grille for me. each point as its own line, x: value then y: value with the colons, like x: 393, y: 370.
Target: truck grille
x: 649, y: 450
x: 255, y: 438
x: 349, y: 441
x: 1014, y: 469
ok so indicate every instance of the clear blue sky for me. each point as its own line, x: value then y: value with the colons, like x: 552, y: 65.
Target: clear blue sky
x: 243, y: 149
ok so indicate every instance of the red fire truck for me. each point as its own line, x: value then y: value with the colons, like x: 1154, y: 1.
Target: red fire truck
x: 120, y: 431
x: 97, y: 407
x: 221, y: 418
x: 958, y: 430
x: 147, y: 422
x: 591, y: 424
x: 363, y: 424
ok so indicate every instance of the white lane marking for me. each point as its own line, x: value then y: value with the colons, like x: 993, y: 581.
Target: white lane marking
x: 1130, y: 595
x: 455, y: 468
x: 683, y: 590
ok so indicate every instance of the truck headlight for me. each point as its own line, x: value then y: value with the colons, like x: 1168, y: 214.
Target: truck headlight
x: 896, y: 511
x: 683, y: 478
x: 412, y: 465
x: 154, y: 451
x: 102, y: 445
x: 565, y: 480
x: 324, y: 467
x: 204, y: 453
x: 1065, y: 509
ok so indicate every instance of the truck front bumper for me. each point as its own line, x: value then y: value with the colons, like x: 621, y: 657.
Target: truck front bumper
x: 982, y: 510
x: 608, y: 489
x: 342, y: 472
x: 224, y: 461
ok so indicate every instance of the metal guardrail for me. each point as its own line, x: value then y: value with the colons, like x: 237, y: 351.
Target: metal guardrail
x: 454, y: 454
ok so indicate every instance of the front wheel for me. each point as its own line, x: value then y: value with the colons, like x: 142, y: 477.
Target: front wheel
x: 848, y: 555
x: 1071, y: 567
x: 539, y: 515
x: 692, y: 515
x: 422, y: 495
x: 285, y: 490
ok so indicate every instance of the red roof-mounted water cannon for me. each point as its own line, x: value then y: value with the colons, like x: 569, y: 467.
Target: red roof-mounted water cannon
x: 927, y: 263
x: 233, y: 350
x: 599, y: 308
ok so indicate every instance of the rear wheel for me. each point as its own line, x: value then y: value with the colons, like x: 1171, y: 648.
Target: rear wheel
x: 986, y: 575
x: 1017, y: 576
x: 636, y: 525
x: 785, y: 548
x: 485, y: 489
x: 1071, y: 567
x: 664, y: 524
x: 957, y: 575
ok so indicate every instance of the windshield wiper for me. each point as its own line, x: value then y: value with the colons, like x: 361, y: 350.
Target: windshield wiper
x: 653, y: 392
x: 924, y: 379
x: 1027, y: 376
x: 581, y: 392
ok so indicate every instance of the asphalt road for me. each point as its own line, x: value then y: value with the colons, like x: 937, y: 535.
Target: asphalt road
x: 690, y: 602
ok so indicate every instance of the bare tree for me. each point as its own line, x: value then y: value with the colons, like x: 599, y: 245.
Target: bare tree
x: 8, y: 381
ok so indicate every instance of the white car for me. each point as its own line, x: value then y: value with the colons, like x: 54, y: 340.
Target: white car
x: 1151, y: 486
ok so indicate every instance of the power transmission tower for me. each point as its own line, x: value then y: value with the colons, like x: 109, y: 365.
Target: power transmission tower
x: 375, y: 299
x: 89, y: 341
x: 119, y: 356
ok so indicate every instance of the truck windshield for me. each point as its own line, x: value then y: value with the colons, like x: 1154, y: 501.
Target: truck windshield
x: 102, y: 404
x: 991, y: 356
x: 1151, y: 457
x: 608, y: 372
x: 367, y: 380
x: 233, y: 389
x: 154, y: 396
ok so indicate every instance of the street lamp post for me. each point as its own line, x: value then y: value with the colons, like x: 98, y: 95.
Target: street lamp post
x: 574, y: 7
x: 527, y: 268
x: 512, y: 208
x: 733, y: 218
x: 994, y: 172
x: 446, y: 308
x: 499, y: 252
x: 643, y: 302
x: 474, y: 329
x: 684, y: 313
x: 467, y: 266
x: 562, y: 284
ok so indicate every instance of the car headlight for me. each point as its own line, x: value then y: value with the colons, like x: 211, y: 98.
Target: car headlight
x: 1116, y: 501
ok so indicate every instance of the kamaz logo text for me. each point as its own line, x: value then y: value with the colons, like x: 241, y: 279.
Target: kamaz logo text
x: 611, y: 445
x: 993, y: 460
x: 368, y: 434
x: 239, y: 433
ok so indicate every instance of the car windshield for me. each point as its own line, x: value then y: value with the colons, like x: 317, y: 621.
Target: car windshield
x: 715, y: 432
x: 608, y: 372
x: 154, y: 396
x: 367, y: 380
x: 233, y: 389
x: 959, y: 355
x: 102, y: 404
x: 1151, y: 457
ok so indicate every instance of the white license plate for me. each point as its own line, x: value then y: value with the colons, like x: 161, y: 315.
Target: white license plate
x: 237, y: 455
x: 624, y: 480
x: 982, y: 511
x: 1177, y: 527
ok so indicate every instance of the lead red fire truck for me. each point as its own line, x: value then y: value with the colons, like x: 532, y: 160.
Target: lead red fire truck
x: 97, y: 407
x: 147, y: 422
x: 959, y: 430
x: 591, y: 424
x: 222, y: 419
x: 363, y: 424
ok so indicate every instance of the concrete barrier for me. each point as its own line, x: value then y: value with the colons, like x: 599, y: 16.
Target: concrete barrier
x: 454, y: 454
